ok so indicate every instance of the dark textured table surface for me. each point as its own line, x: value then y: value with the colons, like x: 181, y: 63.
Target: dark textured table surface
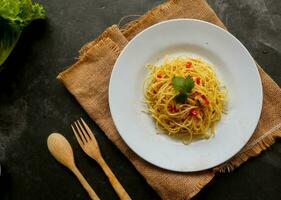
x: 33, y: 103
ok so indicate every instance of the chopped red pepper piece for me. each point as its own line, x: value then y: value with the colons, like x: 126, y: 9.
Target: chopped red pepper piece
x: 188, y: 64
x: 194, y: 112
x: 198, y: 80
x: 172, y: 109
x: 159, y: 76
x: 205, y: 99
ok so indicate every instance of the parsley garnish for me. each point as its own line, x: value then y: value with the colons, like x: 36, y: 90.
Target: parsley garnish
x: 183, y: 86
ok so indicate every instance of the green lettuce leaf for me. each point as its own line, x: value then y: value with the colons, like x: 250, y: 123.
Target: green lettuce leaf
x: 14, y: 16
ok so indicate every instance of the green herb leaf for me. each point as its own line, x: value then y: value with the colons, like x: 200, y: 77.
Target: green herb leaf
x: 179, y: 83
x: 183, y: 86
x: 189, y: 83
x: 181, y: 97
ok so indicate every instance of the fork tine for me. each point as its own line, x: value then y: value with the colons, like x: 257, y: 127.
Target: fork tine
x: 90, y: 133
x: 80, y: 133
x: 86, y: 135
x: 77, y: 136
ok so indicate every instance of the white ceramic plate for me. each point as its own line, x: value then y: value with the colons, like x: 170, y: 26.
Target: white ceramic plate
x: 233, y: 65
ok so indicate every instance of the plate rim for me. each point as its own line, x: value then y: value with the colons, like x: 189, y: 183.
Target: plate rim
x: 260, y: 88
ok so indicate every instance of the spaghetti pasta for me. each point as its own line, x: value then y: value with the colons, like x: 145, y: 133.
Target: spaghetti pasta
x: 196, y: 116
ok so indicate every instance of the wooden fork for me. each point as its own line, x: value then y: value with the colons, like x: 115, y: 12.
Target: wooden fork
x: 88, y: 143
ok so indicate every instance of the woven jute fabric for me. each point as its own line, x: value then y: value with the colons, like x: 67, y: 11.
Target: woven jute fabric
x: 88, y: 80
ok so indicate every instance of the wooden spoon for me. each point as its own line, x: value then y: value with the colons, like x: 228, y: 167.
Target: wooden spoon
x: 60, y: 148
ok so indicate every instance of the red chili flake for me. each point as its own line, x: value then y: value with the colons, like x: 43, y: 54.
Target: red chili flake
x: 198, y: 80
x: 188, y: 64
x: 205, y: 99
x: 172, y: 109
x: 194, y: 112
x: 159, y: 76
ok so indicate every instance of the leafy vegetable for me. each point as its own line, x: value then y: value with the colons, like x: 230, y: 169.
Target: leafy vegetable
x: 181, y: 97
x: 189, y: 83
x: 179, y: 83
x: 183, y: 86
x: 14, y: 16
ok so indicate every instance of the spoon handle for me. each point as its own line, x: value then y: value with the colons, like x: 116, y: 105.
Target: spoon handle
x: 85, y: 184
x: 121, y: 192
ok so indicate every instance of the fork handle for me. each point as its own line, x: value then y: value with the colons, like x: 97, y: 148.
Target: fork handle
x: 121, y: 192
x: 85, y: 184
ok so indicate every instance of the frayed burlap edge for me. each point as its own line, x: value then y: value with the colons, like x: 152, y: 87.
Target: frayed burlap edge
x: 110, y: 32
x: 87, y: 54
x: 252, y: 150
x: 172, y: 9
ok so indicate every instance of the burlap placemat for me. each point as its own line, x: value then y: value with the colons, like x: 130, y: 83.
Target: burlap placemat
x: 88, y: 81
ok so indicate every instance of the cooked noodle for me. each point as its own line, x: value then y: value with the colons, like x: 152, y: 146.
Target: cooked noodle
x: 196, y: 117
